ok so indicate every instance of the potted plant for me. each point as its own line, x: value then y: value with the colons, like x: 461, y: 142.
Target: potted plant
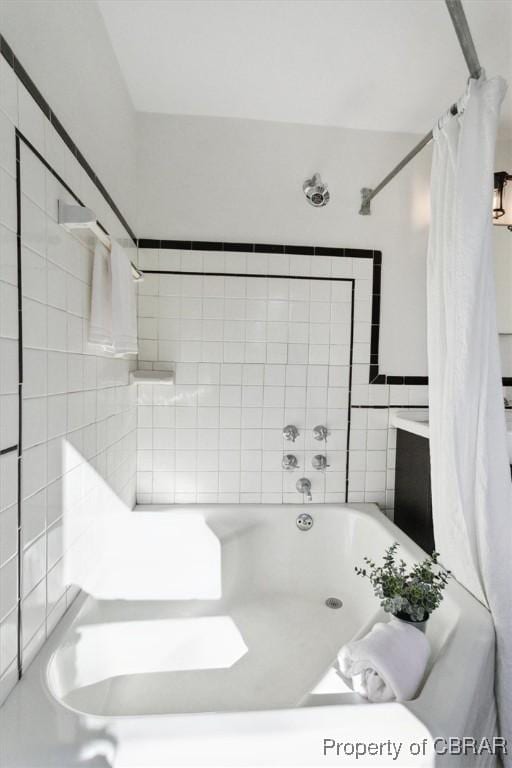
x: 409, y: 594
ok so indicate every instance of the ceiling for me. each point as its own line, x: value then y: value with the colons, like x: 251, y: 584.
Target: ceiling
x: 390, y: 65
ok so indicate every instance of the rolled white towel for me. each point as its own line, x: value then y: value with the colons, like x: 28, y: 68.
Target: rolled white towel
x: 387, y: 664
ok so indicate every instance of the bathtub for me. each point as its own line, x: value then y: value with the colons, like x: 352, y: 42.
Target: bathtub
x: 208, y: 641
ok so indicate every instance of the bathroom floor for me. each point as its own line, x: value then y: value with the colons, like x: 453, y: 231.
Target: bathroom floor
x: 281, y: 648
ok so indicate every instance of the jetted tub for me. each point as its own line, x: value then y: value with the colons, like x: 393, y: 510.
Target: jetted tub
x: 209, y: 642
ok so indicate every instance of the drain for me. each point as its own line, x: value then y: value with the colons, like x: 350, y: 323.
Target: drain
x: 304, y: 522
x: 333, y: 602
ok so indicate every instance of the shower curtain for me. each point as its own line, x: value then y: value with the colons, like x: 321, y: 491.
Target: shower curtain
x: 471, y: 485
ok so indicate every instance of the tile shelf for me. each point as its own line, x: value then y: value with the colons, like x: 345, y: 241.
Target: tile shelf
x: 151, y: 377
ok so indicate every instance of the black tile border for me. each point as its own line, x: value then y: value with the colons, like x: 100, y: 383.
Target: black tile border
x: 245, y: 274
x: 296, y: 250
x: 9, y: 56
x: 391, y: 405
x: 10, y: 449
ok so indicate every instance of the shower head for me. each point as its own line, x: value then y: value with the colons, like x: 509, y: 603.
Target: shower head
x: 316, y: 191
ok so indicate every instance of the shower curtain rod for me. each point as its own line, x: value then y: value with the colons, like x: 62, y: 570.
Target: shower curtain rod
x: 460, y: 23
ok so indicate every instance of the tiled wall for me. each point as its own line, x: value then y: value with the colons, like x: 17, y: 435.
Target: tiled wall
x: 252, y: 354
x: 77, y: 410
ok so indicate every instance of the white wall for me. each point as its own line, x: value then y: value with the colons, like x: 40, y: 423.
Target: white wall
x: 241, y: 181
x: 65, y: 49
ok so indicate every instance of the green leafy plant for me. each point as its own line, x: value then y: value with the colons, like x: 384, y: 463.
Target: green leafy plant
x: 415, y: 592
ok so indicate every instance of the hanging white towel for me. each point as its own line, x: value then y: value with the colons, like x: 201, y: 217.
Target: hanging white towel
x: 124, y: 308
x: 100, y: 323
x: 113, y: 321
x: 388, y: 664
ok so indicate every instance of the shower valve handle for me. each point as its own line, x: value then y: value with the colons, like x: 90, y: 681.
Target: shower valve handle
x: 319, y: 462
x: 290, y: 432
x: 289, y: 462
x: 320, y: 432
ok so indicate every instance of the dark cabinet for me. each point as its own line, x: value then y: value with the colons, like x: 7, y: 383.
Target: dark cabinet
x: 413, y: 497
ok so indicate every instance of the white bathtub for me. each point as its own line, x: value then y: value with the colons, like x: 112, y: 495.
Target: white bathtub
x: 209, y: 643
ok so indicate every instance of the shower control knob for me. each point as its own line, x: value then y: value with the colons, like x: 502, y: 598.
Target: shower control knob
x: 289, y: 462
x: 290, y: 432
x: 320, y: 432
x: 319, y: 462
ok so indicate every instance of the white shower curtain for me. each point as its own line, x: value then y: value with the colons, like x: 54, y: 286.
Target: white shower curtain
x: 471, y: 485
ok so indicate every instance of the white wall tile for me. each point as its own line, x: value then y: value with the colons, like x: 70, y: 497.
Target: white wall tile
x: 8, y: 641
x: 8, y: 311
x: 8, y: 479
x: 33, y: 612
x: 34, y: 429
x: 34, y: 565
x: 8, y: 533
x: 8, y: 586
x: 8, y: 256
x: 31, y: 119
x: 7, y: 200
x: 33, y: 226
x: 8, y: 92
x: 33, y: 177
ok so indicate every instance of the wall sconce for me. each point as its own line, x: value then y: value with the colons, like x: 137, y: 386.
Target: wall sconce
x: 502, y: 200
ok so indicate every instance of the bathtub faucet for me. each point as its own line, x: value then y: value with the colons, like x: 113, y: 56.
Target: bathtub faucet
x: 304, y: 486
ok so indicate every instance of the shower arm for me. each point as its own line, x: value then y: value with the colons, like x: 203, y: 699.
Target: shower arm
x: 460, y: 23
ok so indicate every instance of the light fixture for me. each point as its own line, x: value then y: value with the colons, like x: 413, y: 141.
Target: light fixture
x: 502, y: 200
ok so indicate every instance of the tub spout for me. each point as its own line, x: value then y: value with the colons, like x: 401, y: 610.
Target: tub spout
x: 304, y: 486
